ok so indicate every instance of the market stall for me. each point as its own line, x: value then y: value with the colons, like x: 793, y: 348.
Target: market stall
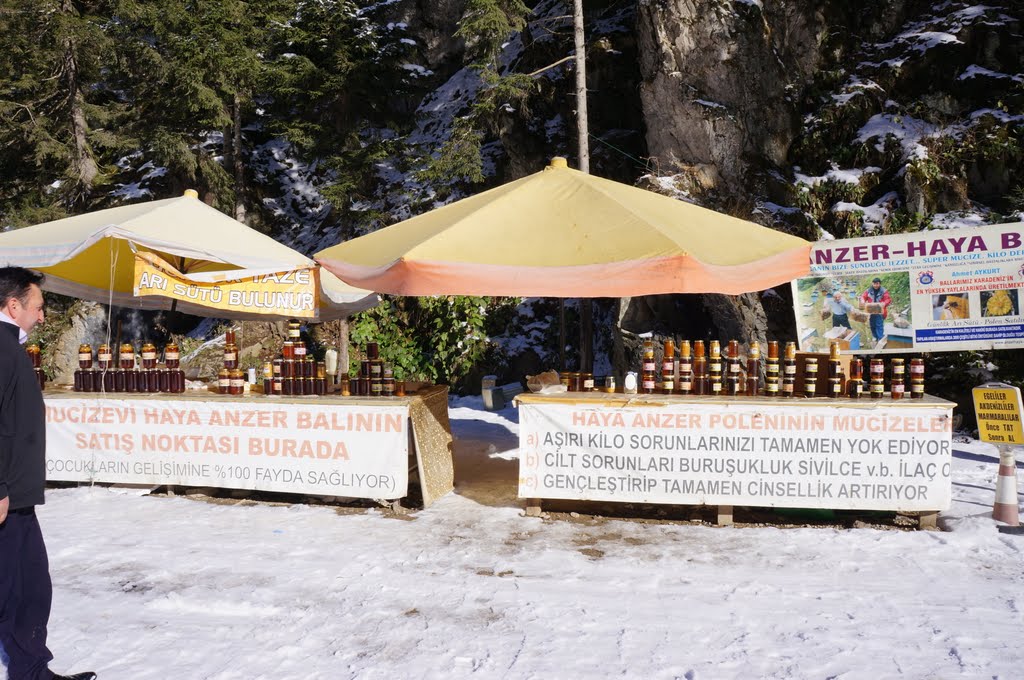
x: 891, y: 455
x: 320, y: 445
x: 564, y: 233
x: 130, y: 417
x: 179, y: 253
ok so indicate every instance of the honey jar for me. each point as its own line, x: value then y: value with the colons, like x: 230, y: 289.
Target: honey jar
x: 127, y: 355
x: 148, y: 355
x: 85, y: 355
x: 104, y: 356
x: 172, y: 356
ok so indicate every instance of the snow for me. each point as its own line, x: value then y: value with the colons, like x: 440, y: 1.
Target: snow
x: 154, y: 587
x: 907, y: 130
x: 835, y: 174
x: 874, y: 215
x: 960, y: 219
x: 974, y: 71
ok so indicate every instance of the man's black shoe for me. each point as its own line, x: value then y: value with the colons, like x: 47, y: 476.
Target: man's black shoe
x: 88, y: 675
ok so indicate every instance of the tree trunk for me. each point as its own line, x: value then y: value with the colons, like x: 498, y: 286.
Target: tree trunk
x: 84, y: 166
x: 586, y: 304
x: 236, y: 155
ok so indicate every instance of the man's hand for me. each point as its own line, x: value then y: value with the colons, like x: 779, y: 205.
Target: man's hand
x: 5, y: 503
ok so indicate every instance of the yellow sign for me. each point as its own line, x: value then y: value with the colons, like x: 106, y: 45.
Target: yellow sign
x: 290, y: 293
x: 998, y: 410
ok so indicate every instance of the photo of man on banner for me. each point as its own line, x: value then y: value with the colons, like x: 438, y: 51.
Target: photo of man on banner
x: 876, y: 300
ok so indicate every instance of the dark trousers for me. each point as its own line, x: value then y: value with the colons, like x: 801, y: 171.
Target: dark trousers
x: 25, y: 595
x: 877, y: 326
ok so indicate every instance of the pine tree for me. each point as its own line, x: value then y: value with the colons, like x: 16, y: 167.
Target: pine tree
x: 52, y: 114
x: 195, y: 71
x: 485, y: 25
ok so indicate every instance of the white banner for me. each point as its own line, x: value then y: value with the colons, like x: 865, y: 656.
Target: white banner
x: 356, y: 451
x: 882, y: 458
x: 940, y: 290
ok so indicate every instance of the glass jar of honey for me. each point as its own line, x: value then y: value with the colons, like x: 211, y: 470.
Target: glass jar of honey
x: 85, y: 355
x: 223, y: 381
x: 236, y: 385
x: 172, y: 356
x: 231, y: 356
x: 127, y: 355
x: 148, y: 355
x: 34, y: 355
x: 104, y: 356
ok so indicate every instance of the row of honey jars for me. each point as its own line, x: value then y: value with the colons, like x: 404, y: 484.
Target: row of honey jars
x: 578, y: 381
x: 711, y: 373
x: 371, y: 387
x: 288, y: 387
x: 145, y: 380
x: 126, y: 356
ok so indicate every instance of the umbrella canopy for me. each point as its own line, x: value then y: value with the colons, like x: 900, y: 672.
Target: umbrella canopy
x: 93, y: 256
x: 564, y: 233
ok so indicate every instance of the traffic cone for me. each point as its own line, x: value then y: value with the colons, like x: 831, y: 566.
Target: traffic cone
x: 1005, y: 508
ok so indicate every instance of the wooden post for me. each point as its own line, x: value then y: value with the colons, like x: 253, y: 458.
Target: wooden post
x: 343, y: 361
x: 928, y: 520
x: 724, y: 515
x: 586, y: 348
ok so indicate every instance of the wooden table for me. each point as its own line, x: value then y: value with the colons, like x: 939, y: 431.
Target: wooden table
x: 353, y: 447
x: 762, y: 452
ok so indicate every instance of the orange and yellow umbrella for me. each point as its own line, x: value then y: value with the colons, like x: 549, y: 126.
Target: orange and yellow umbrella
x: 564, y: 233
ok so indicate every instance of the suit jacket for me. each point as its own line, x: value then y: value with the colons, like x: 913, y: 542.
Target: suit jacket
x: 22, y: 425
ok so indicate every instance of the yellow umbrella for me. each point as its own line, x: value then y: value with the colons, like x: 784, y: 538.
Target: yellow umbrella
x: 564, y: 233
x: 95, y: 256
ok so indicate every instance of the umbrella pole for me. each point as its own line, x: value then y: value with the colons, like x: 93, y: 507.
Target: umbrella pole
x: 586, y: 335
x: 561, y: 335
x: 342, y: 347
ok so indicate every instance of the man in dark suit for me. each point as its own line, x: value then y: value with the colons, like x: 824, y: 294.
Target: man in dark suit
x: 25, y: 588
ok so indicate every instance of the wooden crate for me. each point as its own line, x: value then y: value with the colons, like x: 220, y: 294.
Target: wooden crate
x: 847, y: 338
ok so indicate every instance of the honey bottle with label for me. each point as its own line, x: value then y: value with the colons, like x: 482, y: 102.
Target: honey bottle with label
x: 715, y: 369
x: 789, y: 370
x: 810, y: 376
x: 897, y: 378
x: 835, y: 371
x: 877, y: 378
x: 172, y: 355
x: 753, y: 386
x: 733, y: 378
x: 917, y: 378
x: 855, y: 386
x: 668, y: 364
x: 700, y: 369
x: 685, y: 368
x: 648, y: 381
x: 771, y: 370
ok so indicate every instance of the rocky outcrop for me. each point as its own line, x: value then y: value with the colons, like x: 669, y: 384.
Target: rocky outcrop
x: 720, y: 84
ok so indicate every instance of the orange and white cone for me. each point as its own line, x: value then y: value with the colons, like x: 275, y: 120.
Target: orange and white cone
x: 1005, y: 508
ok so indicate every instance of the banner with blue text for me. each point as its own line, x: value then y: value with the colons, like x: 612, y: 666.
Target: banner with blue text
x: 940, y: 290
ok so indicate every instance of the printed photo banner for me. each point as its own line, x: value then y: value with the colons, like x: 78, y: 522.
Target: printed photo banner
x: 769, y: 456
x: 288, y: 293
x: 356, y: 451
x: 941, y: 290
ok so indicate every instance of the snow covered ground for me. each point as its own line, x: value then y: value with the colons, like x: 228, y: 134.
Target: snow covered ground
x: 156, y: 587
